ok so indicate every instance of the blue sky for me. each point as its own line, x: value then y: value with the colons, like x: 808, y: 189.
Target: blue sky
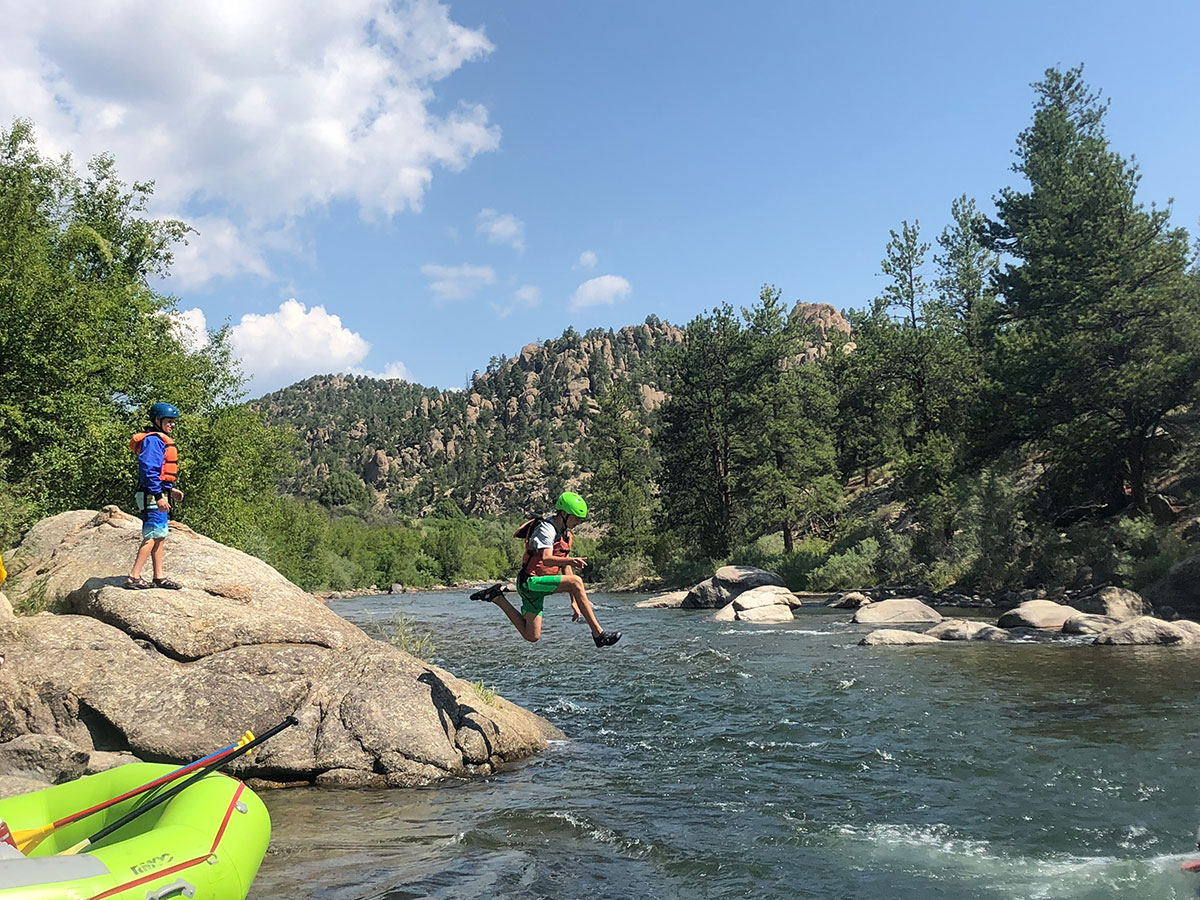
x: 411, y: 189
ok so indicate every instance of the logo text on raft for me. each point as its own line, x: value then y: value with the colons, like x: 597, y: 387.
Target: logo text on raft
x: 152, y: 863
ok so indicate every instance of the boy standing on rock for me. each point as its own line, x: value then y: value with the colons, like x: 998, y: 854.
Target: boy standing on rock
x: 158, y: 467
x: 546, y: 569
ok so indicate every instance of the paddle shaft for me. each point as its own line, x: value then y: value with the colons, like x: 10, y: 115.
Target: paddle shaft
x: 215, y: 766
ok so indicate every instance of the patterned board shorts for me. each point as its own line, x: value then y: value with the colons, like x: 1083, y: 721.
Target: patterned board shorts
x: 155, y: 522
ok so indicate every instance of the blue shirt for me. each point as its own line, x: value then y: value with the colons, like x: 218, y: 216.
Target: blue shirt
x: 150, y: 463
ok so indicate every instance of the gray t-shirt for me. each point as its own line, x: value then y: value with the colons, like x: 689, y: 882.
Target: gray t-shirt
x: 543, y: 535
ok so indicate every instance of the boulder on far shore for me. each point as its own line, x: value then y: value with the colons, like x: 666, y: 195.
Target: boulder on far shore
x: 1116, y: 603
x: 902, y: 610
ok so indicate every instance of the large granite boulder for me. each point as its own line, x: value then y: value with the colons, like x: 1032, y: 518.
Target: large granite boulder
x: 1042, y: 614
x: 895, y: 637
x: 669, y: 600
x: 1114, y: 602
x: 902, y: 610
x: 849, y: 600
x: 1146, y: 630
x: 706, y: 595
x: 726, y: 584
x: 1088, y: 623
x: 966, y: 630
x: 172, y: 675
x: 766, y: 604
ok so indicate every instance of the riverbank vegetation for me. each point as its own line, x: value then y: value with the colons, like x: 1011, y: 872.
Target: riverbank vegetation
x: 1014, y: 408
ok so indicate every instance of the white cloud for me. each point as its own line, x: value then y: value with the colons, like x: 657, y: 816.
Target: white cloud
x: 457, y: 282
x: 527, y: 296
x: 191, y: 327
x: 293, y: 343
x: 587, y: 260
x: 602, y: 291
x: 501, y: 228
x: 260, y: 111
x: 395, y: 369
x: 219, y: 248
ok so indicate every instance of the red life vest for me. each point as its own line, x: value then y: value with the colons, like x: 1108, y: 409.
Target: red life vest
x: 562, y: 547
x: 170, y: 466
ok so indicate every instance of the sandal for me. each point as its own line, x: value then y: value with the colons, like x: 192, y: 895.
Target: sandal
x: 136, y: 584
x: 167, y: 584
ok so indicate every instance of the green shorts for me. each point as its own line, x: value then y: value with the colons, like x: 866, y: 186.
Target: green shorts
x: 533, y: 591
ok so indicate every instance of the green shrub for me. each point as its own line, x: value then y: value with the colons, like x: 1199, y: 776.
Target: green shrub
x: 628, y: 571
x: 401, y: 634
x: 853, y: 568
x: 486, y: 694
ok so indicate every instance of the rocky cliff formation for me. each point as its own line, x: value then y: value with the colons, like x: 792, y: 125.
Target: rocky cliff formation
x: 392, y: 444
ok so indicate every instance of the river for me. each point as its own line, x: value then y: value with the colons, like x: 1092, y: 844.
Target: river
x: 715, y: 760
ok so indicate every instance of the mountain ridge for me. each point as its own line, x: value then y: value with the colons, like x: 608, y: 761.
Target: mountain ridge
x: 493, y: 448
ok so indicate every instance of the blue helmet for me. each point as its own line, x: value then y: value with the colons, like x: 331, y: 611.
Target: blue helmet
x: 163, y: 411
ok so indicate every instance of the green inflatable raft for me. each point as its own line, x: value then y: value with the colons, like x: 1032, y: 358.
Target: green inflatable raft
x: 206, y: 843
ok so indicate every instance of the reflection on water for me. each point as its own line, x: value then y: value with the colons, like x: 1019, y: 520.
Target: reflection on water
x: 715, y: 760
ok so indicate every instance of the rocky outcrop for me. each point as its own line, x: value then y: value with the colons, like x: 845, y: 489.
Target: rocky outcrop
x: 1148, y: 630
x: 1042, y: 614
x: 893, y: 637
x: 766, y: 604
x: 395, y: 434
x: 727, y: 583
x: 171, y: 675
x: 850, y: 600
x: 1085, y: 623
x: 894, y: 612
x: 1113, y: 602
x: 966, y: 630
x: 670, y: 600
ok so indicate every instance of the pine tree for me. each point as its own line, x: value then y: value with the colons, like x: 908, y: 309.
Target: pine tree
x: 1100, y: 331
x: 622, y: 490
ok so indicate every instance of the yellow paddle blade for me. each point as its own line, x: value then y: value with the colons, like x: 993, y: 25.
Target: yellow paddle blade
x: 28, y: 838
x: 71, y: 851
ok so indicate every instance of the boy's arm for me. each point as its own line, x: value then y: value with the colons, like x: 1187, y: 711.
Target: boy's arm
x: 150, y: 463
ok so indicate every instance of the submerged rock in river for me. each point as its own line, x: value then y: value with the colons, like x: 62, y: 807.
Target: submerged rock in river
x: 173, y: 675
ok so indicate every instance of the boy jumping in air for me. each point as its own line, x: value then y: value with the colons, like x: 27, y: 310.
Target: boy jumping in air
x: 547, y: 569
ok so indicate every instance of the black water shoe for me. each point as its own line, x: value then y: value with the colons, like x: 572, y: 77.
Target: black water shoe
x: 488, y: 594
x: 606, y: 638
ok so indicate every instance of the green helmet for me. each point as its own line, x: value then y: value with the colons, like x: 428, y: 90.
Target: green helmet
x: 571, y: 504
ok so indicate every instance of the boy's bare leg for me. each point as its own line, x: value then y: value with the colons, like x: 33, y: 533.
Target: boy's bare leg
x: 573, y: 585
x: 156, y: 557
x: 529, y: 625
x: 143, y: 554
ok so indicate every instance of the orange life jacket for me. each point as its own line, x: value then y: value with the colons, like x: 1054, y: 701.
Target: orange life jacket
x: 170, y: 466
x: 562, y: 547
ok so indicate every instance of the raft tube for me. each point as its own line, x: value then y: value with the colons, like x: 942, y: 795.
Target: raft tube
x: 206, y: 843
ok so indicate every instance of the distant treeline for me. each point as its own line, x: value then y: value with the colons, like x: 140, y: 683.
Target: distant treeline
x: 1009, y: 409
